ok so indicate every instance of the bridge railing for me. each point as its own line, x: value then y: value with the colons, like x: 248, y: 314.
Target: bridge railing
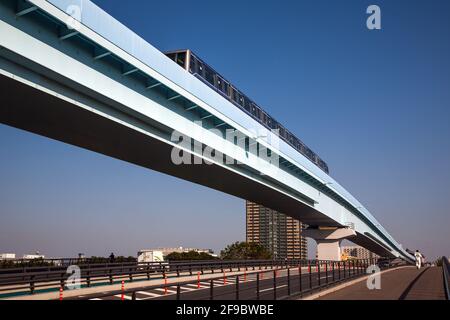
x: 446, y: 273
x: 280, y: 282
x: 34, y: 279
x: 49, y: 265
x: 46, y: 277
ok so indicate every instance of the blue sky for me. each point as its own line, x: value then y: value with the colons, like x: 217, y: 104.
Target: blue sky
x: 373, y: 104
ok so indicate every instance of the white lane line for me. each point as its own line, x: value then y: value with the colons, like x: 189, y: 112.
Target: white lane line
x: 268, y: 289
x: 125, y: 297
x: 185, y: 288
x: 162, y: 290
x: 194, y: 285
x: 191, y: 287
x: 145, y: 293
x: 96, y: 299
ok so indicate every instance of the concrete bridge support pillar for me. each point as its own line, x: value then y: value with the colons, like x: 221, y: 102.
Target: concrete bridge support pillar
x: 329, y: 241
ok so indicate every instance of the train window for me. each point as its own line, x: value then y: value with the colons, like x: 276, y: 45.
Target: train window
x: 274, y: 125
x: 255, y: 111
x: 237, y: 97
x: 302, y: 148
x: 171, y: 56
x: 226, y: 88
x: 193, y: 66
x: 281, y: 131
x: 222, y: 85
x: 261, y: 117
x: 309, y: 153
x: 200, y: 69
x: 181, y: 59
x: 264, y: 118
x: 218, y: 83
x: 247, y: 104
x: 322, y: 164
x: 209, y: 75
x: 234, y: 95
x: 240, y: 99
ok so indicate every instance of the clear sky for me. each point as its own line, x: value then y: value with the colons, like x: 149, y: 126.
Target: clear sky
x: 373, y: 104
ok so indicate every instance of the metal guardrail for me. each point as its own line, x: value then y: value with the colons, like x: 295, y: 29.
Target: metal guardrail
x: 30, y: 280
x: 332, y: 272
x: 446, y: 272
x: 18, y: 264
x: 54, y: 277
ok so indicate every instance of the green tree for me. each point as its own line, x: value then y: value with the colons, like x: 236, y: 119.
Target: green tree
x: 245, y: 251
x: 191, y: 255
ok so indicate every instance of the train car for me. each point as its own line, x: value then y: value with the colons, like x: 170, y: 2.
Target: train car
x: 197, y: 67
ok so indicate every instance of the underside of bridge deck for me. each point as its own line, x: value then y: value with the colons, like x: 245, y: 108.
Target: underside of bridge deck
x: 28, y: 108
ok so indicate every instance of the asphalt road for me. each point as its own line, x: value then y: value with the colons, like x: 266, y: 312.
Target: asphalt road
x: 247, y: 288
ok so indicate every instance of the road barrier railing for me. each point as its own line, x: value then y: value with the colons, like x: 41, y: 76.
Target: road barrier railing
x: 280, y: 282
x: 33, y: 279
x: 446, y: 274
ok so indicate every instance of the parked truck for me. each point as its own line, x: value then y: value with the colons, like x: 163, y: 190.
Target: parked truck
x: 150, y: 256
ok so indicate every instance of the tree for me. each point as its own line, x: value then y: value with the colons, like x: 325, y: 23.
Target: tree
x: 191, y: 255
x: 245, y: 251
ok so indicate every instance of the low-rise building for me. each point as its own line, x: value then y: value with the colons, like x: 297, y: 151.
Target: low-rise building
x: 37, y: 255
x: 7, y: 256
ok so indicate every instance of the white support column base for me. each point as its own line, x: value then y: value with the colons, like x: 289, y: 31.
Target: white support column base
x: 329, y: 241
x: 329, y: 250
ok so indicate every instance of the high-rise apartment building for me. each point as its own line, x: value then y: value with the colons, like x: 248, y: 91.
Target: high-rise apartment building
x: 358, y: 252
x: 277, y: 232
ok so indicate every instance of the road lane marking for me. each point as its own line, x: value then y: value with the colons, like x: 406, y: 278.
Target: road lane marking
x: 284, y: 285
x: 163, y: 290
x: 145, y: 293
x: 188, y: 289
x: 125, y: 297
